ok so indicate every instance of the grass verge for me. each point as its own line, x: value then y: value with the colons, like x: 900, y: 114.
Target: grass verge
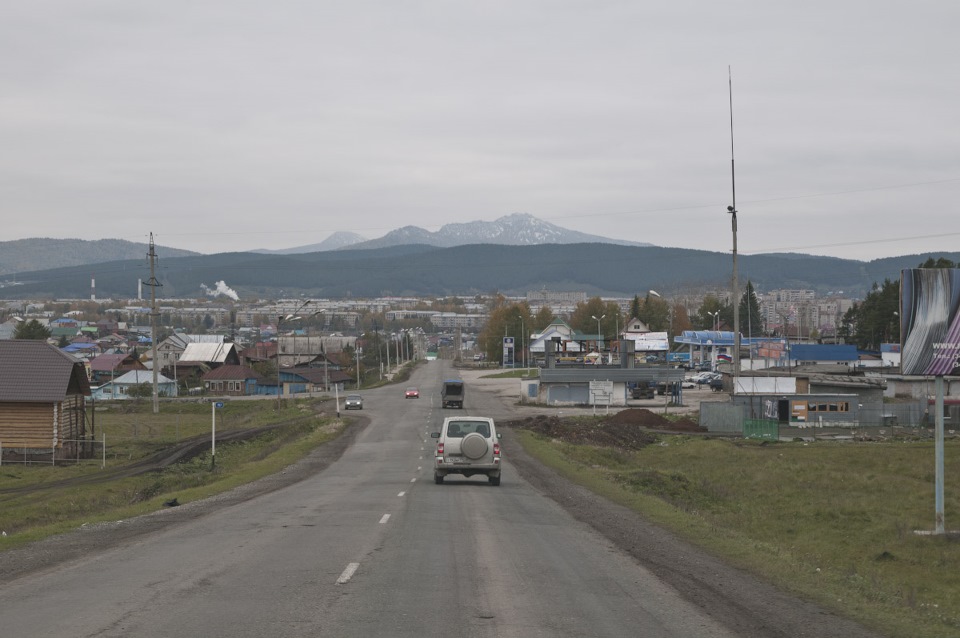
x: 38, y: 513
x: 518, y: 373
x: 831, y: 522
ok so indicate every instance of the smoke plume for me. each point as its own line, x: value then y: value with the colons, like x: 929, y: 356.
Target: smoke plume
x: 221, y: 289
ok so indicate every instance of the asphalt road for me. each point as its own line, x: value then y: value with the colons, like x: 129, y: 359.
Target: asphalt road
x: 370, y: 546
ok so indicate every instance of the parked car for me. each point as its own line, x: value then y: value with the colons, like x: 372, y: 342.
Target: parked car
x: 411, y: 393
x: 704, y: 378
x: 467, y: 445
x: 353, y: 402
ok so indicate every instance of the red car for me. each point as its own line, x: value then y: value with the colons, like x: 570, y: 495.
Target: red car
x: 412, y: 393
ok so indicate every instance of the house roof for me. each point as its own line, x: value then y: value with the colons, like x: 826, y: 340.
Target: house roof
x: 180, y: 340
x: 108, y: 362
x: 260, y: 351
x: 233, y: 373
x: 641, y: 326
x: 34, y: 371
x: 216, y: 352
x: 79, y: 347
x: 316, y: 375
x: 135, y: 377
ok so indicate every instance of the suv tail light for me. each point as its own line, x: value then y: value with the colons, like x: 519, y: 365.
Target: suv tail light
x: 440, y: 448
x: 496, y: 449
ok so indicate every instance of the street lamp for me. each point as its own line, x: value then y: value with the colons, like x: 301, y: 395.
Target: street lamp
x: 280, y: 320
x: 599, y: 332
x: 356, y: 350
x: 715, y: 323
x: 669, y: 309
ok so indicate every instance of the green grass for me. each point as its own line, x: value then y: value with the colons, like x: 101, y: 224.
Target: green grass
x: 833, y: 522
x: 517, y: 373
x: 35, y: 515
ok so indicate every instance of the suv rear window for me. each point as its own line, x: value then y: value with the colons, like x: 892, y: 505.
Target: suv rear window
x: 459, y: 429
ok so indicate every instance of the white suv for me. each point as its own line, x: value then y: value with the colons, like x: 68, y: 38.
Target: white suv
x: 467, y: 445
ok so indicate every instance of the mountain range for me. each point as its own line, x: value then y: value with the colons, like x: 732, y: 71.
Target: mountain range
x: 475, y: 269
x: 511, y: 255
x: 510, y: 230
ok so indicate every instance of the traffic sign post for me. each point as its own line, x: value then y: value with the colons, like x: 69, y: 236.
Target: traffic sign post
x: 213, y: 432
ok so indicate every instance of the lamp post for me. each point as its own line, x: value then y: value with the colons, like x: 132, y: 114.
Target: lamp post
x: 669, y: 322
x: 715, y: 322
x: 657, y: 295
x: 280, y: 320
x: 356, y: 350
x: 599, y: 332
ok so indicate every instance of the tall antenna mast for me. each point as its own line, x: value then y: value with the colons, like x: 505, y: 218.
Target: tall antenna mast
x: 732, y: 209
x: 152, y: 255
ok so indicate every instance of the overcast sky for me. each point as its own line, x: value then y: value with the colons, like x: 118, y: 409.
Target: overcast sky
x: 236, y: 125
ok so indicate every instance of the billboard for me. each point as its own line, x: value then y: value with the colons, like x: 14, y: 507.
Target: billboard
x: 650, y: 342
x: 930, y: 321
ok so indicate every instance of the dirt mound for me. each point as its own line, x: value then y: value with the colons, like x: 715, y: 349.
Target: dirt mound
x: 647, y: 419
x: 625, y: 436
x: 627, y: 429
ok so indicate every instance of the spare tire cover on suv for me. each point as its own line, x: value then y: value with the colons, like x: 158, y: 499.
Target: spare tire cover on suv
x: 473, y: 446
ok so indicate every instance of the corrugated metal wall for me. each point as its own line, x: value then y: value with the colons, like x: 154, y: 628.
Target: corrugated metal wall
x: 722, y: 417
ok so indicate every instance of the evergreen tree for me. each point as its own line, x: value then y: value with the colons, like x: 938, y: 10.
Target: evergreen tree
x: 33, y: 330
x: 751, y: 318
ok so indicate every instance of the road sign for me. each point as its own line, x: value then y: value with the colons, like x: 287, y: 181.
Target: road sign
x: 218, y: 404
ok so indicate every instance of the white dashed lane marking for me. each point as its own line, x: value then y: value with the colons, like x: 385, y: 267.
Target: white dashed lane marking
x: 348, y: 573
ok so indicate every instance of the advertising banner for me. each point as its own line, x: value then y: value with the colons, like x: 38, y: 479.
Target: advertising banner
x: 929, y: 321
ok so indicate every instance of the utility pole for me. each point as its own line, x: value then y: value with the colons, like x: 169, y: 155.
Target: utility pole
x: 732, y: 209
x: 153, y: 324
x: 356, y: 349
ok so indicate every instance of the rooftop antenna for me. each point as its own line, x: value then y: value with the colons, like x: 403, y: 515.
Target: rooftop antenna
x: 732, y: 209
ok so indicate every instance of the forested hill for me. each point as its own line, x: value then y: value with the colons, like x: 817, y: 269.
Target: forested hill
x: 598, y: 269
x: 43, y: 253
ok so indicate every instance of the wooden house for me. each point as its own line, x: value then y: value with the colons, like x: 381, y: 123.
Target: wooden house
x: 42, y: 392
x: 231, y: 379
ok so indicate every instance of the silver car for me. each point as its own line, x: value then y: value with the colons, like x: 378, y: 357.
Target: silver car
x: 467, y: 445
x: 353, y: 402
